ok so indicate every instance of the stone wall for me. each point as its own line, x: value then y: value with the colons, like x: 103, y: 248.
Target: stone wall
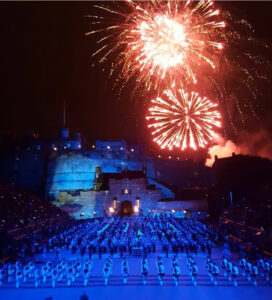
x: 76, y: 171
x: 166, y: 192
x: 136, y: 189
x: 86, y: 204
x: 70, y: 172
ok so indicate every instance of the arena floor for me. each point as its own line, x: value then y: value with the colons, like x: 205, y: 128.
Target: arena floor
x: 142, y: 292
x: 135, y: 290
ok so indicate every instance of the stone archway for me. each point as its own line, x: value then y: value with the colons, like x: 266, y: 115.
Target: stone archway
x: 126, y: 208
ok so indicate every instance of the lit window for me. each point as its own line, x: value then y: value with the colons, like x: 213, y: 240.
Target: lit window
x: 114, y: 204
x: 126, y: 191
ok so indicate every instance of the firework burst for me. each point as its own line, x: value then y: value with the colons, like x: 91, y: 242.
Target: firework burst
x: 158, y: 41
x: 183, y: 120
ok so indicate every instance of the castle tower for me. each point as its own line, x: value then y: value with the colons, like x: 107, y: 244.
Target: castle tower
x: 64, y: 131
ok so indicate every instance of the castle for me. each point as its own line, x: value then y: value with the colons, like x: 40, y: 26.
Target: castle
x: 108, y: 177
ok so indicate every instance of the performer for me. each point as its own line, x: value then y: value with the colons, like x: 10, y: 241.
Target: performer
x: 224, y: 263
x: 161, y: 273
x: 69, y: 276
x: 86, y: 275
x: 10, y: 273
x: 176, y: 273
x: 60, y: 268
x: 248, y: 270
x: 234, y: 274
x: 254, y: 274
x: 270, y: 274
x: 125, y: 273
x: 267, y: 270
x: 18, y: 278
x: 194, y: 271
x: 25, y: 272
x: 174, y: 261
x: 242, y: 264
x: 106, y: 272
x: 54, y: 275
x: 229, y: 269
x: 209, y: 265
x: 2, y: 276
x: 215, y: 273
x: 261, y: 266
x: 144, y: 269
x: 158, y: 262
x: 37, y: 278
x: 31, y: 268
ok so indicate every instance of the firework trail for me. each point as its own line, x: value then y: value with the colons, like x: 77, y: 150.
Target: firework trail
x: 183, y: 120
x: 242, y: 76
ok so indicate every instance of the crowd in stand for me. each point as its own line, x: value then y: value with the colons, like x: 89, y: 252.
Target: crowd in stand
x: 19, y: 208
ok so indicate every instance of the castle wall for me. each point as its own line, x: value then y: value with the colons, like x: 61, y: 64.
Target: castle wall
x: 136, y: 189
x: 70, y: 172
x: 166, y: 192
x: 86, y: 204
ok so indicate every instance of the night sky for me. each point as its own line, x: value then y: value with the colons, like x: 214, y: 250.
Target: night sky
x: 45, y: 59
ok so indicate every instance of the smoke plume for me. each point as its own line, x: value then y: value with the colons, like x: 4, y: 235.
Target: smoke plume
x: 255, y: 144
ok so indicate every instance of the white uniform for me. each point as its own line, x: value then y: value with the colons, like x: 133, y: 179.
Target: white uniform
x: 37, y: 278
x: 2, y: 274
x: 254, y: 274
x: 54, y: 275
x: 161, y: 273
x: 176, y: 273
x: 234, y: 274
x: 19, y: 275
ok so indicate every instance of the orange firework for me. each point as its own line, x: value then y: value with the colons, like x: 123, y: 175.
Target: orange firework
x: 183, y: 120
x: 158, y: 41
